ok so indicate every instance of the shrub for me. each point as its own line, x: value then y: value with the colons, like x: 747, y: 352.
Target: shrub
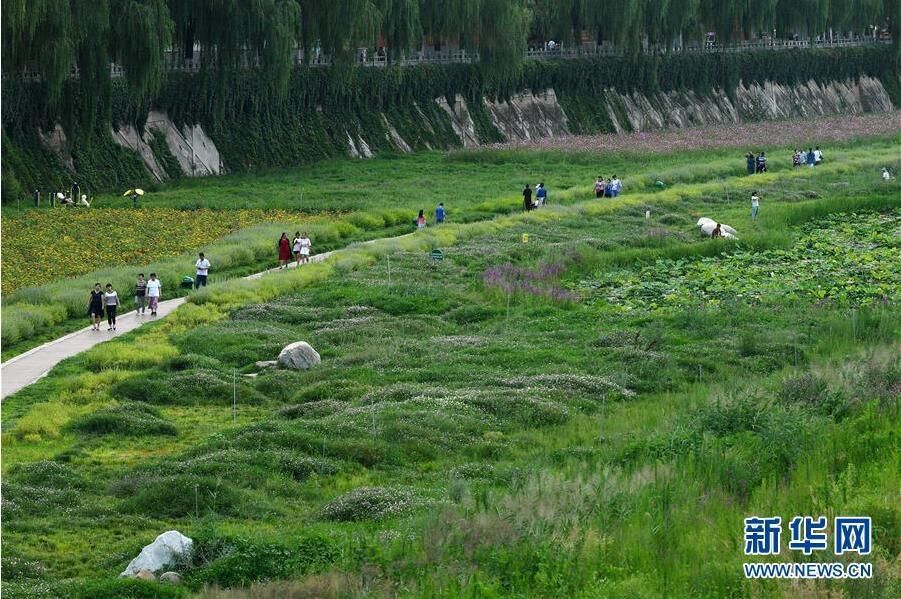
x: 807, y: 389
x: 123, y: 355
x: 21, y: 320
x: 49, y: 474
x: 133, y: 419
x: 238, y: 561
x: 178, y: 496
x: 313, y: 409
x: 17, y: 568
x: 370, y: 503
x: 187, y: 387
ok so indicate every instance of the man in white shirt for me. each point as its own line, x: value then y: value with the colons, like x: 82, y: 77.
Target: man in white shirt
x: 203, y: 268
x: 817, y: 156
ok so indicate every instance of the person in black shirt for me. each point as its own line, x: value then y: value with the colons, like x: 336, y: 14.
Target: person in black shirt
x: 527, y: 198
x: 95, y: 306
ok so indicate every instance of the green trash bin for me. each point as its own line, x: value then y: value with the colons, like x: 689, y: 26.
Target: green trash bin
x: 187, y: 282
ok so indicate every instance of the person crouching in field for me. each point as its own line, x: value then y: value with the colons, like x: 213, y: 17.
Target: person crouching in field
x: 284, y: 250
x: 305, y: 247
x: 154, y: 292
x: 95, y: 306
x: 112, y: 305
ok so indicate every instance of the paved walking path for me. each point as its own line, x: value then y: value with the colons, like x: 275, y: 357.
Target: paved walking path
x: 26, y: 368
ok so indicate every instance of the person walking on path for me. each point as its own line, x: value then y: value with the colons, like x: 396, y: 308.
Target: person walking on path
x: 295, y: 247
x: 439, y: 213
x: 305, y: 247
x: 617, y: 186
x: 541, y: 194
x: 811, y: 158
x: 755, y: 205
x: 752, y: 163
x: 203, y: 269
x: 284, y: 250
x: 154, y: 292
x: 95, y: 306
x: 599, y: 186
x: 112, y: 305
x: 527, y: 197
x: 140, y: 294
x: 420, y: 220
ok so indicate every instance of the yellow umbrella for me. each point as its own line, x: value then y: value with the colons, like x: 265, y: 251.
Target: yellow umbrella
x: 139, y: 192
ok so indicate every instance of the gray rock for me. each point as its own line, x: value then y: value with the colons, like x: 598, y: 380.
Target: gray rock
x: 146, y: 575
x: 170, y: 578
x: 299, y: 356
x: 266, y: 363
x: 165, y: 549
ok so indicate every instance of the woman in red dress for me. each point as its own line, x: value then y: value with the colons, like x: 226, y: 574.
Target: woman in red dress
x: 284, y: 250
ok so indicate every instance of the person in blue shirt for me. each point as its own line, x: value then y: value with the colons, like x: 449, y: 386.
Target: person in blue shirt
x: 541, y: 194
x: 439, y: 213
x: 617, y: 186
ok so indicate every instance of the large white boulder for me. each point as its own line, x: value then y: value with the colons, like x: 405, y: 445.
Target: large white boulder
x: 707, y: 225
x: 164, y: 550
x: 299, y: 356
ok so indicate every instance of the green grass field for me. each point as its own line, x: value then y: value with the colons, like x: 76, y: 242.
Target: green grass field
x: 591, y: 414
x: 373, y: 199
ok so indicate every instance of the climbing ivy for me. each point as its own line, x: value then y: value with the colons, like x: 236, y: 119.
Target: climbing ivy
x: 256, y: 126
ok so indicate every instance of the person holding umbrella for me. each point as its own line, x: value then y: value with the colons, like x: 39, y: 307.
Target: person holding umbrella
x: 134, y: 193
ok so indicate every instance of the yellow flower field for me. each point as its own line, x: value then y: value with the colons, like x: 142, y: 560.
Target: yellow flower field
x: 45, y: 245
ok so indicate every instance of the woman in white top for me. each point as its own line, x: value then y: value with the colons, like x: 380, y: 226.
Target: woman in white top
x: 755, y: 205
x: 154, y: 291
x: 111, y: 299
x: 296, y: 246
x: 305, y: 247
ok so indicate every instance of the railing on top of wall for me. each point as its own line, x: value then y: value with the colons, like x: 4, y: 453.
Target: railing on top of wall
x: 176, y: 61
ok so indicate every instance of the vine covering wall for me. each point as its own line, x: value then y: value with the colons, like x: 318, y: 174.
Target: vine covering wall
x: 256, y: 127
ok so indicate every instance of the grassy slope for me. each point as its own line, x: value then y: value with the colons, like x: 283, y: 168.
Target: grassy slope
x: 435, y: 388
x: 385, y: 193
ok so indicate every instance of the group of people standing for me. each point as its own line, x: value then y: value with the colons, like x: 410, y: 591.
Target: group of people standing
x: 756, y: 164
x: 812, y: 157
x: 607, y: 189
x: 440, y: 214
x: 147, y: 295
x: 297, y: 249
x: 540, y: 197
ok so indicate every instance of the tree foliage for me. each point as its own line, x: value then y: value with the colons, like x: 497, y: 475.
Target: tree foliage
x: 54, y: 36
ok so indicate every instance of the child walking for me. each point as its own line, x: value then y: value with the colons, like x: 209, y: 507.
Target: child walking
x: 112, y: 304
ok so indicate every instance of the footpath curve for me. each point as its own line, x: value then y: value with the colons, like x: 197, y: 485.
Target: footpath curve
x: 24, y: 369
